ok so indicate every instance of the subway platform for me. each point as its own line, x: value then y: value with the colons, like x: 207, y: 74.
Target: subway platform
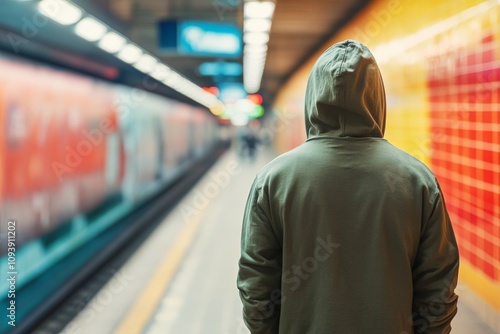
x: 183, y: 277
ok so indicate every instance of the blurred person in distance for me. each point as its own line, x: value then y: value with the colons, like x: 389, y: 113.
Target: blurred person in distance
x: 347, y: 233
x: 249, y: 142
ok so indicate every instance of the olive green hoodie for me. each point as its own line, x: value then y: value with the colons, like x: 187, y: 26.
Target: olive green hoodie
x: 347, y: 233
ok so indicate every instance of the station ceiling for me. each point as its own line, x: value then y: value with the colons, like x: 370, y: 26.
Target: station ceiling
x: 299, y: 28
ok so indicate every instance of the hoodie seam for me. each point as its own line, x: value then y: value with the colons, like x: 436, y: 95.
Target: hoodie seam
x: 346, y: 138
x: 343, y: 83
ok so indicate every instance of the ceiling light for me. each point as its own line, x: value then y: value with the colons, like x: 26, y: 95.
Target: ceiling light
x: 93, y: 30
x: 90, y: 29
x: 255, y: 48
x: 257, y: 25
x: 161, y: 72
x: 146, y: 63
x: 253, y: 66
x: 252, y: 89
x: 211, y: 101
x: 112, y: 42
x: 255, y: 56
x: 254, y: 80
x: 258, y: 10
x: 173, y: 80
x: 61, y: 11
x: 217, y: 108
x: 130, y: 53
x: 256, y: 38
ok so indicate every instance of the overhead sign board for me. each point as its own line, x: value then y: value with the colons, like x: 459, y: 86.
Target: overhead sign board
x: 221, y: 68
x: 200, y: 38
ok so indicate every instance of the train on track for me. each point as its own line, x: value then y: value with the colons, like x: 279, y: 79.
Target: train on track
x: 78, y: 153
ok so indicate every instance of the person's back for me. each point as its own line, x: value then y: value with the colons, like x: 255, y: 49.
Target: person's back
x: 349, y: 230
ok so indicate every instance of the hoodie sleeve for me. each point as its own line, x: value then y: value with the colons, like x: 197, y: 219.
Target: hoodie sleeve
x: 259, y: 276
x: 435, y: 272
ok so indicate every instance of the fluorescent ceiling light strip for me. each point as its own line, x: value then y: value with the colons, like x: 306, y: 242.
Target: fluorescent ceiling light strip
x: 112, y: 42
x: 255, y: 48
x: 255, y: 70
x: 130, y: 53
x: 191, y: 90
x: 256, y: 25
x: 252, y: 89
x: 253, y: 55
x: 255, y: 79
x: 172, y: 80
x: 161, y: 72
x: 255, y: 58
x: 255, y: 66
x: 258, y: 10
x: 146, y: 64
x: 256, y: 38
x: 256, y: 76
x: 90, y: 29
x: 63, y: 12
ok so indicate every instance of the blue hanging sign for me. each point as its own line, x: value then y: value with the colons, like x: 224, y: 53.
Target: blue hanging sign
x: 200, y: 38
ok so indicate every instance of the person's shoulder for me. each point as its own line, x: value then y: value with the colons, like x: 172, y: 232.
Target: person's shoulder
x: 282, y: 164
x: 411, y: 163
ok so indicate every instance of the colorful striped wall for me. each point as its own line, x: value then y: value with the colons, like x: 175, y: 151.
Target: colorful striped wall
x: 441, y: 66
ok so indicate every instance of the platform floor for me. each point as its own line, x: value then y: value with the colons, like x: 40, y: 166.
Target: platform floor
x: 183, y: 278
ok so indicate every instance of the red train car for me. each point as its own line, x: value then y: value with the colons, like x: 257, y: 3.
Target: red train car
x: 53, y: 146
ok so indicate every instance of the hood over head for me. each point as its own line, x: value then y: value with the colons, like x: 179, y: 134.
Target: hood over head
x: 345, y: 94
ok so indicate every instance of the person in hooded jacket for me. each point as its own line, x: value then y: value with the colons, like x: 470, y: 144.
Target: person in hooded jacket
x: 347, y: 233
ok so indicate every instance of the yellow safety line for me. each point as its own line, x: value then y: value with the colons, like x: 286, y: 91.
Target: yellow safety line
x: 482, y: 285
x: 142, y: 311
